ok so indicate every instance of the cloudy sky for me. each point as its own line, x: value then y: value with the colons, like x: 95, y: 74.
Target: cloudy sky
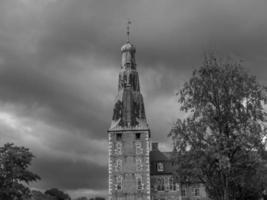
x: 59, y: 65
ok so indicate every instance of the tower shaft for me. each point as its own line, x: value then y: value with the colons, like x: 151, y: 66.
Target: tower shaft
x: 129, y: 135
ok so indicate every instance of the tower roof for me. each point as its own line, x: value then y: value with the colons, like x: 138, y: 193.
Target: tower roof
x: 129, y: 109
x: 128, y: 47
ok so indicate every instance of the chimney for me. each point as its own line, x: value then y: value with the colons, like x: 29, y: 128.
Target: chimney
x: 155, y: 146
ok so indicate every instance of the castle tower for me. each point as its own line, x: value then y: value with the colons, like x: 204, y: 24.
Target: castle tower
x: 129, y: 134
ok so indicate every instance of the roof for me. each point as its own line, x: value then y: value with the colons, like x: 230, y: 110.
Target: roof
x: 165, y: 158
x: 159, y: 156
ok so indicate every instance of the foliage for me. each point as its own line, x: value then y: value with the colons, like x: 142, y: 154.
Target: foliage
x: 37, y: 195
x: 95, y: 198
x: 98, y: 198
x: 223, y: 138
x: 14, y: 173
x: 82, y: 198
x: 59, y: 195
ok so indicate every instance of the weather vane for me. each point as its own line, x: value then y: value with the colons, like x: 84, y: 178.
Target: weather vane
x: 128, y: 30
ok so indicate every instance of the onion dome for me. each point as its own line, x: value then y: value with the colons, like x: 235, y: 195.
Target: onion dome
x: 128, y: 56
x: 128, y: 47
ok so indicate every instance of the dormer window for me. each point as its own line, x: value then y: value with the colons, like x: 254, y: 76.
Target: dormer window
x: 137, y: 136
x: 160, y: 167
x: 118, y: 136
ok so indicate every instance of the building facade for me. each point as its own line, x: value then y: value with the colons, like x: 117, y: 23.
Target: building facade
x: 137, y: 171
x: 129, y: 135
x: 165, y: 182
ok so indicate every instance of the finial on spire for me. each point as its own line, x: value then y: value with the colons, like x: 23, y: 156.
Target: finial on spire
x: 128, y: 29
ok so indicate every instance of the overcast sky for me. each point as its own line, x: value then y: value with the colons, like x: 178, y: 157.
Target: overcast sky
x: 59, y: 65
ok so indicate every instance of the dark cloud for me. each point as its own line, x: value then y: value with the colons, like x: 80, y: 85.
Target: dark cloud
x: 59, y: 64
x: 69, y: 174
x: 68, y: 107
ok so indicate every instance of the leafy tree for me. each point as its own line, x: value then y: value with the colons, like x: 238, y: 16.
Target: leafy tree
x: 14, y: 173
x: 58, y: 194
x: 98, y: 198
x: 222, y: 139
x: 82, y: 198
x: 94, y: 198
x: 37, y: 195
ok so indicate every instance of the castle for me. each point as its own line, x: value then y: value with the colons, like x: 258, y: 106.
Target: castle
x: 138, y: 170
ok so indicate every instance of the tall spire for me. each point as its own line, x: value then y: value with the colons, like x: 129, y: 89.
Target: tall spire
x: 129, y: 108
x: 128, y: 30
x: 129, y: 134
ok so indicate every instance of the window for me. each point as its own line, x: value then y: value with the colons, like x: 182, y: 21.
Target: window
x: 183, y: 193
x: 118, y: 136
x: 118, y: 148
x: 118, y: 185
x: 137, y: 136
x: 118, y: 165
x: 160, y: 167
x: 160, y: 184
x: 196, y: 192
x: 139, y: 183
x: 167, y: 183
x: 138, y: 148
x: 172, y: 184
x: 139, y: 164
